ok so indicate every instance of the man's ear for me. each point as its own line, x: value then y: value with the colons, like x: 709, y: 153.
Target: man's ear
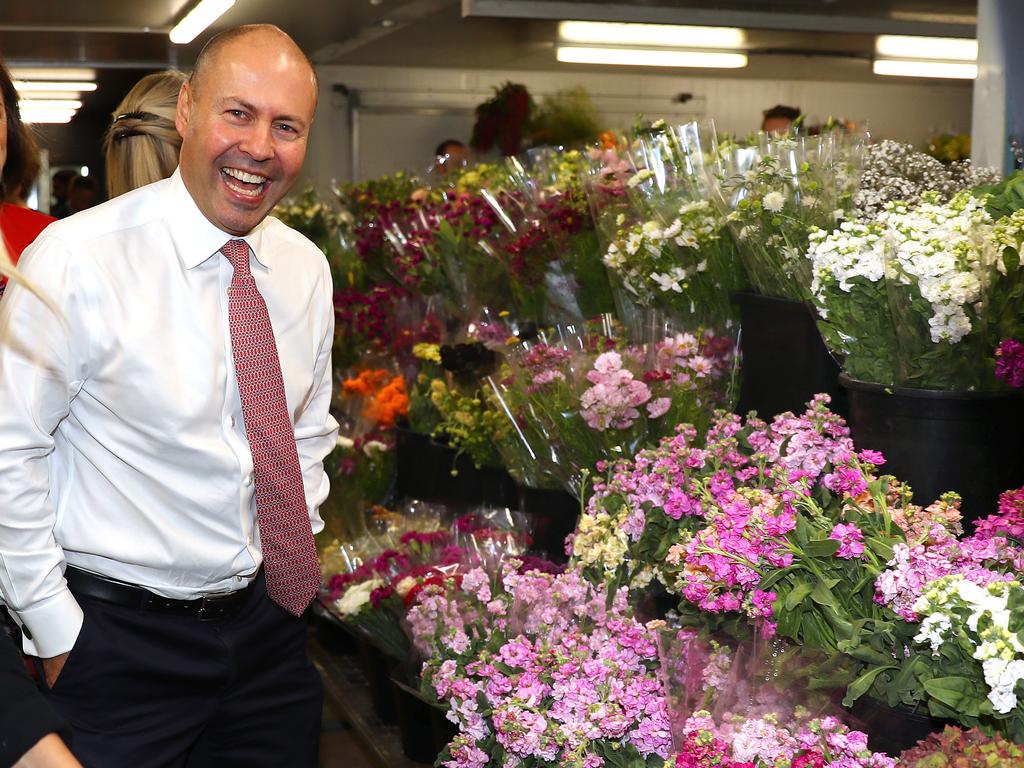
x: 184, y: 110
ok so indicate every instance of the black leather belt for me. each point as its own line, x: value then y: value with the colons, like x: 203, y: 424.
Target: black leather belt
x: 209, y: 608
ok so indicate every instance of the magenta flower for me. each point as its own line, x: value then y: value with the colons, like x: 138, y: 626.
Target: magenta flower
x: 1010, y: 363
x: 851, y: 540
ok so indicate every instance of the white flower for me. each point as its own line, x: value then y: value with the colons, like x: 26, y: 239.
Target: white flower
x: 773, y: 201
x: 405, y: 586
x: 345, y: 442
x: 373, y: 447
x: 356, y: 596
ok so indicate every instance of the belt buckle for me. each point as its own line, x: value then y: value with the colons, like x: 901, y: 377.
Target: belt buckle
x: 209, y: 610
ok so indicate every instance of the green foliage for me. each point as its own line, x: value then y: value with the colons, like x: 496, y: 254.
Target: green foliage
x: 566, y: 118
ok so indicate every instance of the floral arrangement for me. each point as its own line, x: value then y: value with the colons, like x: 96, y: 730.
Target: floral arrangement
x: 763, y: 743
x: 503, y: 120
x: 774, y: 200
x: 314, y: 218
x: 594, y: 399
x: 382, y: 393
x: 922, y: 296
x: 672, y: 248
x: 959, y: 748
x: 540, y: 668
x: 895, y: 172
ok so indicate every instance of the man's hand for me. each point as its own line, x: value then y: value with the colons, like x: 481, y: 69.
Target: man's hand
x: 52, y: 668
x: 49, y: 752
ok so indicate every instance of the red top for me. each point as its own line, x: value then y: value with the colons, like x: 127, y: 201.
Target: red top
x: 20, y: 226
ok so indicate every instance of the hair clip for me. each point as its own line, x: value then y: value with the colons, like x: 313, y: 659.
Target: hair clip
x: 137, y: 116
x: 126, y: 132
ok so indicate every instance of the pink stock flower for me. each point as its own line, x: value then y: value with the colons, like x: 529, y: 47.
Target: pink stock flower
x: 851, y: 540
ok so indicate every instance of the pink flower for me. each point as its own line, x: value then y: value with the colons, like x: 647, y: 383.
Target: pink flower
x: 851, y: 540
x: 659, y: 407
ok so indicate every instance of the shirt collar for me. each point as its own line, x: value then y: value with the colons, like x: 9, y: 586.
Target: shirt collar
x: 195, y: 238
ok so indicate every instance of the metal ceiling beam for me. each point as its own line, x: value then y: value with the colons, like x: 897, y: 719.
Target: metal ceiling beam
x: 628, y: 12
x: 400, y: 17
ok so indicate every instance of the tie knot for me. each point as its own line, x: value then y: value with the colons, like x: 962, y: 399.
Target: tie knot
x: 237, y: 252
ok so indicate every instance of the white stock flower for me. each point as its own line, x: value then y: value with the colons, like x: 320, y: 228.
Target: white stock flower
x: 356, y: 596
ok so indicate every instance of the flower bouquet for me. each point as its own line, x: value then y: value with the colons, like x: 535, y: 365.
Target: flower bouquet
x: 594, y: 398
x: 674, y: 250
x: 541, y: 668
x: 773, y: 200
x: 922, y: 296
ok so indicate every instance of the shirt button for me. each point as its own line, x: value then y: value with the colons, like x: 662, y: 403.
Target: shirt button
x: 232, y: 420
x: 248, y: 479
x: 227, y: 292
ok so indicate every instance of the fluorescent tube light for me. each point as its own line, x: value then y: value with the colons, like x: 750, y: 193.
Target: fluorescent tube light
x: 47, y: 116
x: 36, y: 105
x: 54, y: 85
x: 956, y: 70
x: 659, y: 35
x: 650, y: 57
x: 198, y: 19
x: 929, y: 48
x: 53, y: 73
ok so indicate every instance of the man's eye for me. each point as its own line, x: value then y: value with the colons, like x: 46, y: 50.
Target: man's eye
x: 236, y: 113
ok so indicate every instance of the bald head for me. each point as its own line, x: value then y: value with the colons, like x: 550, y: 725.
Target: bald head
x: 248, y: 34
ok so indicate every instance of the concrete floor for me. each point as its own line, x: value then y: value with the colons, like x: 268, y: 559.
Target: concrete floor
x: 339, y: 748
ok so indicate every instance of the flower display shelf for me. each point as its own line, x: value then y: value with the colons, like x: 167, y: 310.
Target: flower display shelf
x: 785, y: 361
x: 346, y: 692
x: 939, y: 441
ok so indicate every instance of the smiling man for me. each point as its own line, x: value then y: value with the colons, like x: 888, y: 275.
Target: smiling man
x: 162, y: 439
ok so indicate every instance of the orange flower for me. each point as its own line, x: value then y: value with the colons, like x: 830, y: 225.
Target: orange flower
x: 389, y: 403
x: 366, y: 383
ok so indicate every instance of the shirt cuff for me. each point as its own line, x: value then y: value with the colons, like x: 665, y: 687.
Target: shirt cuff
x: 52, y: 627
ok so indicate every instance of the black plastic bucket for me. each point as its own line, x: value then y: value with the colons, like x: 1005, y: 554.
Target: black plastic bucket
x: 553, y: 515
x: 378, y: 668
x: 937, y: 441
x: 892, y: 729
x: 415, y: 728
x: 785, y: 361
x: 425, y: 472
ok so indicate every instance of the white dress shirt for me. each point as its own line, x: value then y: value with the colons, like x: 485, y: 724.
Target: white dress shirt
x: 122, y: 446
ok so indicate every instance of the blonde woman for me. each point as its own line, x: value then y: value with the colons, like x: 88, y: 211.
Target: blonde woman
x: 142, y: 144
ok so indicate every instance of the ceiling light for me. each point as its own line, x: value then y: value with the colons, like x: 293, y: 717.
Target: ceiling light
x: 929, y: 48
x: 53, y: 73
x: 662, y: 35
x: 958, y: 70
x: 48, y: 116
x: 33, y: 105
x: 47, y: 95
x: 53, y: 85
x: 650, y: 57
x: 198, y: 19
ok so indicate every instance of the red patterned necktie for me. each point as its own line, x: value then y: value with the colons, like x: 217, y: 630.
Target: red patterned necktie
x: 289, y: 554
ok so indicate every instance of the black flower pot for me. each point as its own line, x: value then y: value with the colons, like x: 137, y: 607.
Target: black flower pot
x: 379, y: 668
x: 937, y: 441
x: 892, y: 729
x: 443, y: 729
x: 553, y: 515
x: 433, y: 472
x: 415, y: 726
x: 785, y: 361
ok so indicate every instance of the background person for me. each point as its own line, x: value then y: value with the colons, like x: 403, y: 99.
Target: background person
x: 59, y: 192
x: 83, y: 193
x: 178, y: 418
x: 779, y: 119
x: 19, y: 164
x: 142, y: 144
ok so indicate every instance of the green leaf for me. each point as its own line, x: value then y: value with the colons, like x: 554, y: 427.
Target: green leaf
x: 797, y: 594
x: 822, y: 593
x: 954, y: 692
x: 863, y: 684
x: 822, y: 547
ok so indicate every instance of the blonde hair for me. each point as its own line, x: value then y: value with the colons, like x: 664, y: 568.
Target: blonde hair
x: 142, y: 144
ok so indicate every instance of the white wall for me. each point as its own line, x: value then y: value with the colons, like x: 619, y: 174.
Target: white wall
x: 401, y: 114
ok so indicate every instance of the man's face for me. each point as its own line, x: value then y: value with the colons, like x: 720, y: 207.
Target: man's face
x: 244, y: 127
x: 776, y: 125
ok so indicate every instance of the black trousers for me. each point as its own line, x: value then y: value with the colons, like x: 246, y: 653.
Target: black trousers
x: 145, y: 689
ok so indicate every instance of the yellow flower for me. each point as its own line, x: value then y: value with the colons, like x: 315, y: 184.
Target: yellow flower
x: 425, y: 351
